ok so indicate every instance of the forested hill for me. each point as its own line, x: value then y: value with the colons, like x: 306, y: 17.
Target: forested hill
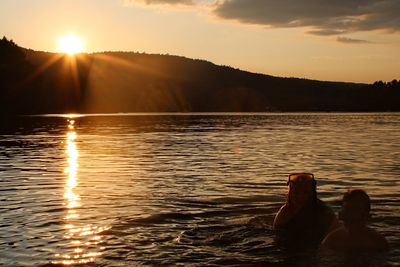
x: 33, y: 82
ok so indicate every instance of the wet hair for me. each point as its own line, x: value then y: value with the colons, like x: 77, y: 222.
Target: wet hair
x: 358, y: 195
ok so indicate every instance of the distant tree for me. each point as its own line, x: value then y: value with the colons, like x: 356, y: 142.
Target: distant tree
x: 379, y: 84
x: 10, y: 53
x: 394, y: 84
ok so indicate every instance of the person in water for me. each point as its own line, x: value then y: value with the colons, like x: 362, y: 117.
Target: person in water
x: 303, y: 218
x: 355, y: 235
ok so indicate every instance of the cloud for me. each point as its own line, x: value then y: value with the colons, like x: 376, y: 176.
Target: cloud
x: 166, y: 2
x: 331, y: 17
x: 326, y: 32
x: 323, y: 18
x: 169, y: 2
x: 347, y: 40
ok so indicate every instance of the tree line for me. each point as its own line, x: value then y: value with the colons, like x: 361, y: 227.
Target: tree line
x: 34, y: 82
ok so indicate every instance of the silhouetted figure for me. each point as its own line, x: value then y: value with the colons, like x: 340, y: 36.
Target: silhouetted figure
x: 355, y: 235
x: 303, y: 219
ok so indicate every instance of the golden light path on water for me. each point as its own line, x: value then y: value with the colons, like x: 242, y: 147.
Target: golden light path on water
x: 84, y: 238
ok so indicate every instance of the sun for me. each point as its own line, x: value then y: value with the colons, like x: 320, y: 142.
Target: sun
x: 70, y: 44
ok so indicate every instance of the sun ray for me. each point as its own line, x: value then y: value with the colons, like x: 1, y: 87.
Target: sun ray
x: 42, y: 68
x: 128, y: 63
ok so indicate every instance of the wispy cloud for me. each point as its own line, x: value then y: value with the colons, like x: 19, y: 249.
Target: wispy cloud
x: 347, y: 40
x: 167, y: 2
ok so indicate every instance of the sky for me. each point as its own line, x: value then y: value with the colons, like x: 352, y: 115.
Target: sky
x: 336, y: 40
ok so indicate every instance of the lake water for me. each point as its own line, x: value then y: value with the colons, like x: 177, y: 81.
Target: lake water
x: 184, y: 189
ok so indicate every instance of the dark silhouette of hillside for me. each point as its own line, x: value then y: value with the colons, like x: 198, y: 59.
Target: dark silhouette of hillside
x: 35, y: 82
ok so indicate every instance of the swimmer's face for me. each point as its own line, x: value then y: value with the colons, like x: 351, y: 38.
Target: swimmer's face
x: 354, y: 211
x: 301, y: 193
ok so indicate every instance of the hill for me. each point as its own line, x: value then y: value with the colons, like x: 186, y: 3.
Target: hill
x: 34, y: 82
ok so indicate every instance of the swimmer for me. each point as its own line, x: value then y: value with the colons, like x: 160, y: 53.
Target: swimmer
x: 303, y: 218
x: 355, y: 235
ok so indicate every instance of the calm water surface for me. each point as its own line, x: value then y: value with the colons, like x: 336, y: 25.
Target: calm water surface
x: 198, y: 190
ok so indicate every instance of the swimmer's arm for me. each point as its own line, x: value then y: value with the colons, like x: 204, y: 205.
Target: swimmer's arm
x: 335, y: 224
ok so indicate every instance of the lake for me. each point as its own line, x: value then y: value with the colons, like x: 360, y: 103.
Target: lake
x: 184, y: 189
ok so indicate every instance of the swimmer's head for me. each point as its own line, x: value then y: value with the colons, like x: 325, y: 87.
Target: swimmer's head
x: 302, y: 189
x: 355, y: 207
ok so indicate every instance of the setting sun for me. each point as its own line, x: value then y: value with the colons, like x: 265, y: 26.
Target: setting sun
x: 70, y: 44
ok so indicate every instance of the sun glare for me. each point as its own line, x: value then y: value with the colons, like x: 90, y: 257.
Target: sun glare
x: 70, y: 44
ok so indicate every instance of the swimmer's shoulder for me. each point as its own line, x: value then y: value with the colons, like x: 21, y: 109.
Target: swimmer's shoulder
x: 327, y: 216
x: 377, y: 239
x: 341, y: 240
x: 282, y: 217
x: 335, y: 239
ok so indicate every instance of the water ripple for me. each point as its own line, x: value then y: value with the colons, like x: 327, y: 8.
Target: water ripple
x: 198, y: 190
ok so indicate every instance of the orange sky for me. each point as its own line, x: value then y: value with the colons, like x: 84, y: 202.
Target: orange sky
x: 306, y: 39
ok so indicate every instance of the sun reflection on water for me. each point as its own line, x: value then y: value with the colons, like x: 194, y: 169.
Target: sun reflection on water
x: 84, y: 238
